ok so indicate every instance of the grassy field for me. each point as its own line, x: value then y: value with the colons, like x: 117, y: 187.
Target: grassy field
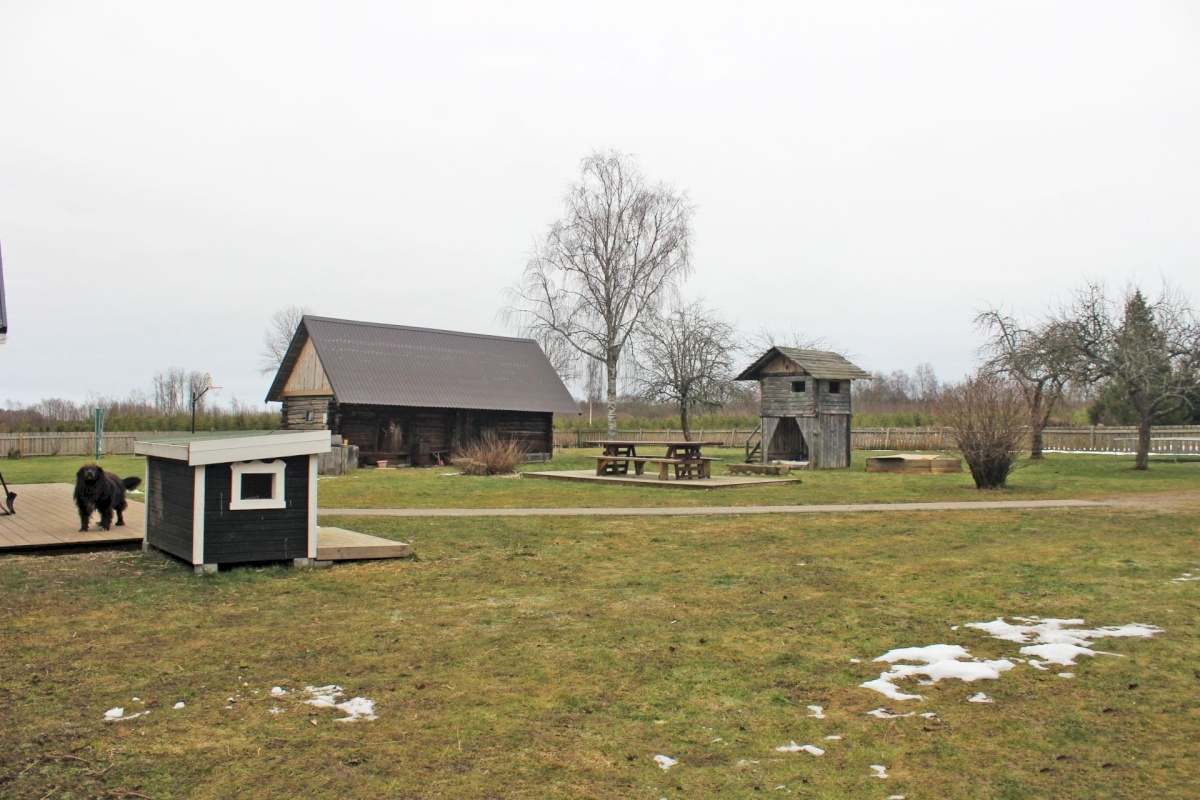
x: 1055, y: 477
x: 555, y: 658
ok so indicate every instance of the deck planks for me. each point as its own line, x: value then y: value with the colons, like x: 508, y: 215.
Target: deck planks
x: 46, y: 517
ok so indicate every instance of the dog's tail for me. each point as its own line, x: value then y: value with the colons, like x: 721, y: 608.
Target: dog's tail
x: 131, y: 483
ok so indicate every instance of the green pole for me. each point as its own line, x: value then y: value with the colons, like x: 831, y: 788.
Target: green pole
x: 99, y: 434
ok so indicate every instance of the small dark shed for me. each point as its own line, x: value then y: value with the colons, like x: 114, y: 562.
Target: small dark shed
x: 236, y: 498
x: 805, y: 405
x: 413, y: 394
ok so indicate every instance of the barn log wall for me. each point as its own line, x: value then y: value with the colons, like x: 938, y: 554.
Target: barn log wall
x: 294, y: 415
x: 170, y: 499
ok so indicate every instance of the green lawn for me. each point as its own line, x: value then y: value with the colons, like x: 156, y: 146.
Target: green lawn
x: 554, y: 658
x: 1055, y: 477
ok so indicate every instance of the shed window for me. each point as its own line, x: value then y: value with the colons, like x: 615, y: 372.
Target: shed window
x: 798, y: 386
x: 257, y: 485
x: 835, y: 387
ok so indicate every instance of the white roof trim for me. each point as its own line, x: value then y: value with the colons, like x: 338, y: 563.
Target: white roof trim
x: 238, y: 448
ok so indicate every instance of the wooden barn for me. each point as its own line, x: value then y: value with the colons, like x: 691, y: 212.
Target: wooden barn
x: 805, y: 405
x: 414, y: 395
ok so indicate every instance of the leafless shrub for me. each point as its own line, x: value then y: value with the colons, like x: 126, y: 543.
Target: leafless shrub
x: 988, y: 416
x: 489, y: 455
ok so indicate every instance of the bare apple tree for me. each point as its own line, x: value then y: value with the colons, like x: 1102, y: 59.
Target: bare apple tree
x: 278, y: 336
x: 1150, y: 349
x: 612, y: 259
x: 1037, y: 356
x: 686, y: 357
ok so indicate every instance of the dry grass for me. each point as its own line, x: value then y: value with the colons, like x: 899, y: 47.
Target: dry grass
x: 490, y: 455
x: 544, y: 658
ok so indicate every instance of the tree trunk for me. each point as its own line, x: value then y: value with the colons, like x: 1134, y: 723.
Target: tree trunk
x: 683, y: 422
x: 1142, y: 460
x: 611, y: 366
x: 1037, y: 424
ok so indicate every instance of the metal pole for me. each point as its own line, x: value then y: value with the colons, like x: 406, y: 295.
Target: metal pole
x: 99, y: 434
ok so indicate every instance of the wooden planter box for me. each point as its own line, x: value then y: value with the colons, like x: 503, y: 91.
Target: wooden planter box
x: 915, y: 463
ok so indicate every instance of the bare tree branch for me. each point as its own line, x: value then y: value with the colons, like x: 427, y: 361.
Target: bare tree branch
x: 613, y: 258
x: 280, y: 330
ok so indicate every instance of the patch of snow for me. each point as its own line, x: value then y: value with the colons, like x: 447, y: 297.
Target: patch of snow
x: 833, y: 738
x: 275, y: 710
x: 136, y: 699
x: 1066, y: 674
x: 856, y: 661
x: 939, y: 661
x: 883, y: 713
x: 1187, y: 576
x: 357, y: 708
x: 980, y: 698
x: 665, y: 762
x: 278, y: 691
x: 178, y: 705
x: 818, y: 712
x: 118, y: 715
x: 324, y: 696
x: 930, y: 715
x: 1062, y: 653
x: 796, y: 748
x: 880, y: 771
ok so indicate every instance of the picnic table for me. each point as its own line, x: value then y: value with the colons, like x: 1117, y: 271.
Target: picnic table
x: 686, y: 458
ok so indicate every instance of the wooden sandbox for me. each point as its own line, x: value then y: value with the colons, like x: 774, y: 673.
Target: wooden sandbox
x: 914, y: 463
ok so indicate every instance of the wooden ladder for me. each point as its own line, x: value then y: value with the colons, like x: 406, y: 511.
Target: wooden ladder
x: 751, y: 452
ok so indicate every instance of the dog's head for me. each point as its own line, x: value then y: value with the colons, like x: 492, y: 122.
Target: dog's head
x: 89, y: 474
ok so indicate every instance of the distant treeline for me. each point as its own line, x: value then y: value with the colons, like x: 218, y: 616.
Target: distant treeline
x: 132, y: 414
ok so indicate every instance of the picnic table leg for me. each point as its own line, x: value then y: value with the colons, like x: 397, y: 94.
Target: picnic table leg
x: 601, y: 466
x: 638, y: 467
x: 662, y: 471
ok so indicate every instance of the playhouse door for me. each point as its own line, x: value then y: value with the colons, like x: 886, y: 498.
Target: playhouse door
x: 787, y: 443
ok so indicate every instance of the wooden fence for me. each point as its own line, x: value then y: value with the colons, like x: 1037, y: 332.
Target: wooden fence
x: 1168, y: 439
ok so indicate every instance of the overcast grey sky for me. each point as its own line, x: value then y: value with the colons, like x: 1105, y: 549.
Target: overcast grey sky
x: 871, y: 172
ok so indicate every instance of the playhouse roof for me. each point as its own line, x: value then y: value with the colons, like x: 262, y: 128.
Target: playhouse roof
x: 823, y: 364
x: 395, y: 365
x: 228, y: 446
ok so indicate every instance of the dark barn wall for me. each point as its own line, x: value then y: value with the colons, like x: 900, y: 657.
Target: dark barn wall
x: 170, y: 498
x: 275, y: 534
x: 395, y: 430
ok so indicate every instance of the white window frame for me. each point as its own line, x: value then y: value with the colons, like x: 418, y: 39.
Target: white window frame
x: 277, y: 498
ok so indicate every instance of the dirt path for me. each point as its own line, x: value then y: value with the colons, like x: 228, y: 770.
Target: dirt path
x: 711, y: 510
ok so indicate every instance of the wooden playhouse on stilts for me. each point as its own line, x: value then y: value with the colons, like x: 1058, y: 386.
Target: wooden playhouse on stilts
x: 806, y: 408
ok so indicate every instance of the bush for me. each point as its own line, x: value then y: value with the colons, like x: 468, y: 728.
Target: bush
x: 490, y: 455
x: 988, y: 417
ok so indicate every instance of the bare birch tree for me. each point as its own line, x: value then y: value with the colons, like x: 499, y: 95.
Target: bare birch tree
x: 686, y: 357
x: 1150, y: 349
x: 613, y: 257
x: 1037, y: 356
x: 280, y: 330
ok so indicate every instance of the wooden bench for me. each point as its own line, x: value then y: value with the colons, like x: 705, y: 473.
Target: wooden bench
x: 684, y: 467
x: 759, y: 469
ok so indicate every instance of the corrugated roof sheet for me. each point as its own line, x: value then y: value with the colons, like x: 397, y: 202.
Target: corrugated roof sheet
x: 395, y: 365
x: 818, y: 363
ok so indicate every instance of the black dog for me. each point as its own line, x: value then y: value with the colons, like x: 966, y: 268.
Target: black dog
x: 97, y: 490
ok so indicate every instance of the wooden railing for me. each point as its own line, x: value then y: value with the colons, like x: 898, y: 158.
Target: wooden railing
x: 1095, y: 439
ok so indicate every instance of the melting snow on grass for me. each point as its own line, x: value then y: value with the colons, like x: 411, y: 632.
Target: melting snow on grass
x: 355, y: 708
x: 818, y: 712
x: 796, y: 748
x: 935, y: 662
x: 118, y: 715
x: 1048, y: 641
x: 878, y: 771
x: 665, y: 762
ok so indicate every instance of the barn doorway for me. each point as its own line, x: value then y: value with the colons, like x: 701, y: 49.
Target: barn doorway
x: 788, y: 443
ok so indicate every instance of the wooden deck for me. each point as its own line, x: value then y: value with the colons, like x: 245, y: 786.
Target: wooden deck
x: 46, y: 518
x: 339, y: 544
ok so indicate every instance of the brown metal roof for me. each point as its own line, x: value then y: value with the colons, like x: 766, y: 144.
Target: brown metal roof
x: 394, y: 365
x: 818, y: 363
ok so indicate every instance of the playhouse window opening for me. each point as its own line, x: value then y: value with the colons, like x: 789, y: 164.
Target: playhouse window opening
x: 835, y: 387
x: 258, y: 486
x: 798, y: 386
